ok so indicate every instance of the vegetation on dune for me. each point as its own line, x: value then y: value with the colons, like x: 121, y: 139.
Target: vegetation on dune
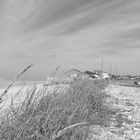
x: 59, y: 116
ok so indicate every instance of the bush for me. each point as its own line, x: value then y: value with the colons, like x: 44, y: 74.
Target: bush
x: 63, y: 116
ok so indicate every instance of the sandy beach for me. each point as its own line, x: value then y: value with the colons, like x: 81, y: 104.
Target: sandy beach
x: 126, y: 123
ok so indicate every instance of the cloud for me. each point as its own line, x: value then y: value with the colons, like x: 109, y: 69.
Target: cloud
x: 75, y: 32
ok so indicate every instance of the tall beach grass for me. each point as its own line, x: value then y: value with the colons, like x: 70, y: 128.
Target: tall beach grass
x: 64, y: 115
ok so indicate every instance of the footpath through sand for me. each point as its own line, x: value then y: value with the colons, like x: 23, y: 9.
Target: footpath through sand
x: 126, y: 123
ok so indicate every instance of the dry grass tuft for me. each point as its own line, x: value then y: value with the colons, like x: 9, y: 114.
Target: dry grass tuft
x: 63, y: 116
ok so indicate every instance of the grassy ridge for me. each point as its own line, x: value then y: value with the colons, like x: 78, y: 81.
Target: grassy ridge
x: 63, y: 116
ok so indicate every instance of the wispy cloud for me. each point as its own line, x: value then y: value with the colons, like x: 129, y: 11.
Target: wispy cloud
x: 69, y: 33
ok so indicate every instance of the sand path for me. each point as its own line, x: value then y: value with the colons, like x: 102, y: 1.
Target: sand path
x: 126, y: 123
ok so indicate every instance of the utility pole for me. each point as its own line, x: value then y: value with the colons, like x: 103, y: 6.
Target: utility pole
x: 102, y: 64
x: 116, y: 70
x: 110, y: 69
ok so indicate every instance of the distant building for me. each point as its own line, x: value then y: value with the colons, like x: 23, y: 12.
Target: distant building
x: 92, y: 75
x: 101, y: 74
x: 75, y: 74
x: 105, y: 75
x: 98, y: 72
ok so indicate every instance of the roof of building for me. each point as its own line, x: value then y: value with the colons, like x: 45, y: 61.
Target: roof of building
x: 90, y: 73
x: 98, y: 71
x: 74, y: 70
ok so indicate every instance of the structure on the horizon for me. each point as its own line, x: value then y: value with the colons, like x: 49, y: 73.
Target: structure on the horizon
x: 76, y: 74
x: 102, y: 74
x: 92, y: 74
x: 96, y: 74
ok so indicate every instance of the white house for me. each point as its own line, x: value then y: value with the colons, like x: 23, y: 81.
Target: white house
x: 75, y: 74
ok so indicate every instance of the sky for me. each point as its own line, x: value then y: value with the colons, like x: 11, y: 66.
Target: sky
x: 70, y: 33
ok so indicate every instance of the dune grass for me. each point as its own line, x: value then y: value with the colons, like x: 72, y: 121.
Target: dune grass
x: 58, y: 116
